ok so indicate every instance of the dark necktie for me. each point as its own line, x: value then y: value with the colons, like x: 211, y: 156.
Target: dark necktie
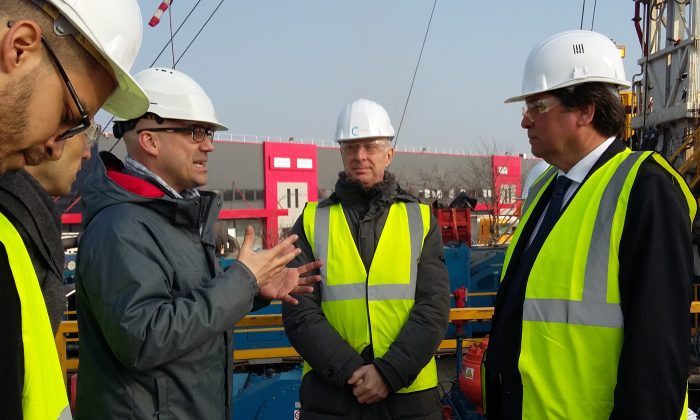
x: 553, y: 211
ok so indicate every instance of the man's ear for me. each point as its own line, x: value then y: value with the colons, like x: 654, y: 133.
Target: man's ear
x: 148, y: 143
x: 390, y: 156
x: 586, y: 114
x: 20, y: 45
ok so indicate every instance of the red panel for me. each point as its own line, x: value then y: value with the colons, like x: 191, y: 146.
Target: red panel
x: 506, y: 170
x: 251, y: 213
x: 71, y: 218
x: 289, y: 155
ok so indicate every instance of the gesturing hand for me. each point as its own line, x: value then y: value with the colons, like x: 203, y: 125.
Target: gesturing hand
x: 368, y: 385
x: 267, y: 263
x: 289, y: 281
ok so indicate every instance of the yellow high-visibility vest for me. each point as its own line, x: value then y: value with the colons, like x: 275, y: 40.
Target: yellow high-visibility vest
x: 573, y: 328
x: 370, y: 308
x: 44, y: 393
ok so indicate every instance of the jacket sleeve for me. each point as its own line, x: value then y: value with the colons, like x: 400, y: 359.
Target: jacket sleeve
x: 655, y: 282
x: 125, y: 281
x: 427, y: 322
x: 310, y: 332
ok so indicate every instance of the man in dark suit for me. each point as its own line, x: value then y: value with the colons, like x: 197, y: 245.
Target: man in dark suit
x: 591, y: 319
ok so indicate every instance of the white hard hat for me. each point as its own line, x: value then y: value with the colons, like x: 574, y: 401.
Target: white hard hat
x: 571, y: 58
x: 176, y: 96
x: 114, y: 29
x: 532, y: 176
x: 363, y: 119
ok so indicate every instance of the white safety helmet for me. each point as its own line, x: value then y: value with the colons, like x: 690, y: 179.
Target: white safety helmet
x: 532, y: 176
x: 114, y: 29
x: 176, y: 96
x: 571, y: 58
x: 363, y: 119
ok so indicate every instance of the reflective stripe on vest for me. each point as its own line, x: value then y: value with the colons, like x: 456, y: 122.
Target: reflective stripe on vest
x: 572, y: 319
x: 357, y: 303
x: 44, y: 393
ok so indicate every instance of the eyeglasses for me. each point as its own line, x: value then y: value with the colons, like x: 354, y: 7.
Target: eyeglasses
x: 535, y: 109
x: 199, y: 133
x: 84, y: 117
x: 370, y: 147
x: 93, y: 134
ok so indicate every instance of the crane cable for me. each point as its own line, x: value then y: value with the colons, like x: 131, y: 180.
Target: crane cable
x: 595, y: 2
x: 583, y: 10
x: 198, y: 32
x: 415, y: 72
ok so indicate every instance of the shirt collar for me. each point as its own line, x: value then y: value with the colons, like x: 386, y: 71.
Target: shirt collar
x: 134, y: 167
x: 579, y: 171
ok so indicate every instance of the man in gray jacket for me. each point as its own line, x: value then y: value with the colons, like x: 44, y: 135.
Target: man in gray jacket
x: 369, y: 331
x: 154, y: 308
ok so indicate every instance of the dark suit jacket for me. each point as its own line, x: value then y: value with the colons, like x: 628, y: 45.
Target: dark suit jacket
x: 656, y: 272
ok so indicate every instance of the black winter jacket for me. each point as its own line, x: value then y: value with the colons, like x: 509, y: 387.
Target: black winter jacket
x: 154, y: 309
x: 30, y: 209
x: 324, y: 393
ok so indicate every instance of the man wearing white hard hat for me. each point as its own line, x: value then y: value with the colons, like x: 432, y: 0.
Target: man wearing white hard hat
x: 155, y: 308
x: 592, y: 316
x: 369, y: 331
x: 61, y: 61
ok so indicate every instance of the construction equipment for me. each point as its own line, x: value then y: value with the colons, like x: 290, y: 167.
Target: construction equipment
x: 668, y: 95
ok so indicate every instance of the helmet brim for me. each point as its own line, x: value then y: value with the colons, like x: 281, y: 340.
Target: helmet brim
x: 620, y: 84
x: 389, y: 138
x: 128, y: 100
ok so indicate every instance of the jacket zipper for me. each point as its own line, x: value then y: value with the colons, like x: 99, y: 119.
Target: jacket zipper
x: 359, y: 241
x: 369, y: 319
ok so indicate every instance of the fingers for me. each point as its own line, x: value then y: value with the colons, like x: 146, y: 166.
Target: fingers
x: 302, y: 289
x: 369, y: 388
x: 289, y: 299
x: 356, y: 376
x: 286, y: 244
x: 309, y: 267
x: 248, y: 240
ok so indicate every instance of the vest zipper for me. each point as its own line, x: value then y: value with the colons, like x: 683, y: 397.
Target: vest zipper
x: 369, y: 319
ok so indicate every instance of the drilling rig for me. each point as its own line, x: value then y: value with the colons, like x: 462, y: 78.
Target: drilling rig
x: 666, y: 104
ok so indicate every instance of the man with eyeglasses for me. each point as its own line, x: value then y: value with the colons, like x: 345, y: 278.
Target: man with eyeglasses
x: 27, y: 199
x: 154, y: 308
x: 369, y: 331
x: 62, y: 61
x: 592, y: 315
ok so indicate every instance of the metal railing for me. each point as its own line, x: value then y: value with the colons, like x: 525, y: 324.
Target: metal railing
x: 259, y: 139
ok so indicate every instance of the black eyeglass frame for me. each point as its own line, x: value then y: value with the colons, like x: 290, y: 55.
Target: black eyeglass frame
x: 192, y: 129
x: 81, y: 109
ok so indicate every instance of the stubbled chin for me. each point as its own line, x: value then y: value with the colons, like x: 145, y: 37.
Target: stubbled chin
x: 13, y: 163
x: 35, y: 156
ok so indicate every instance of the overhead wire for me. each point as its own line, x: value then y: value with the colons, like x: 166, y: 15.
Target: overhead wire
x: 172, y: 36
x: 198, y: 32
x: 583, y: 9
x: 595, y: 2
x: 415, y: 72
x: 172, y: 44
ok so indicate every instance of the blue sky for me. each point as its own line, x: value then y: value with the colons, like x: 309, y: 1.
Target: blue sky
x: 287, y: 68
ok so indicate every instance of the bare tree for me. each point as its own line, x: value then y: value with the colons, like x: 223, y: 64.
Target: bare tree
x: 478, y: 179
x: 441, y: 184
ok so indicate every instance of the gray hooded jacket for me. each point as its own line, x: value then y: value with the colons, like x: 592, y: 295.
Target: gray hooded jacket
x: 154, y: 309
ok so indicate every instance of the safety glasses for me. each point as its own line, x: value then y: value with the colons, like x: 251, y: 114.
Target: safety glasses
x: 534, y: 110
x: 370, y: 147
x: 84, y: 117
x: 198, y: 133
